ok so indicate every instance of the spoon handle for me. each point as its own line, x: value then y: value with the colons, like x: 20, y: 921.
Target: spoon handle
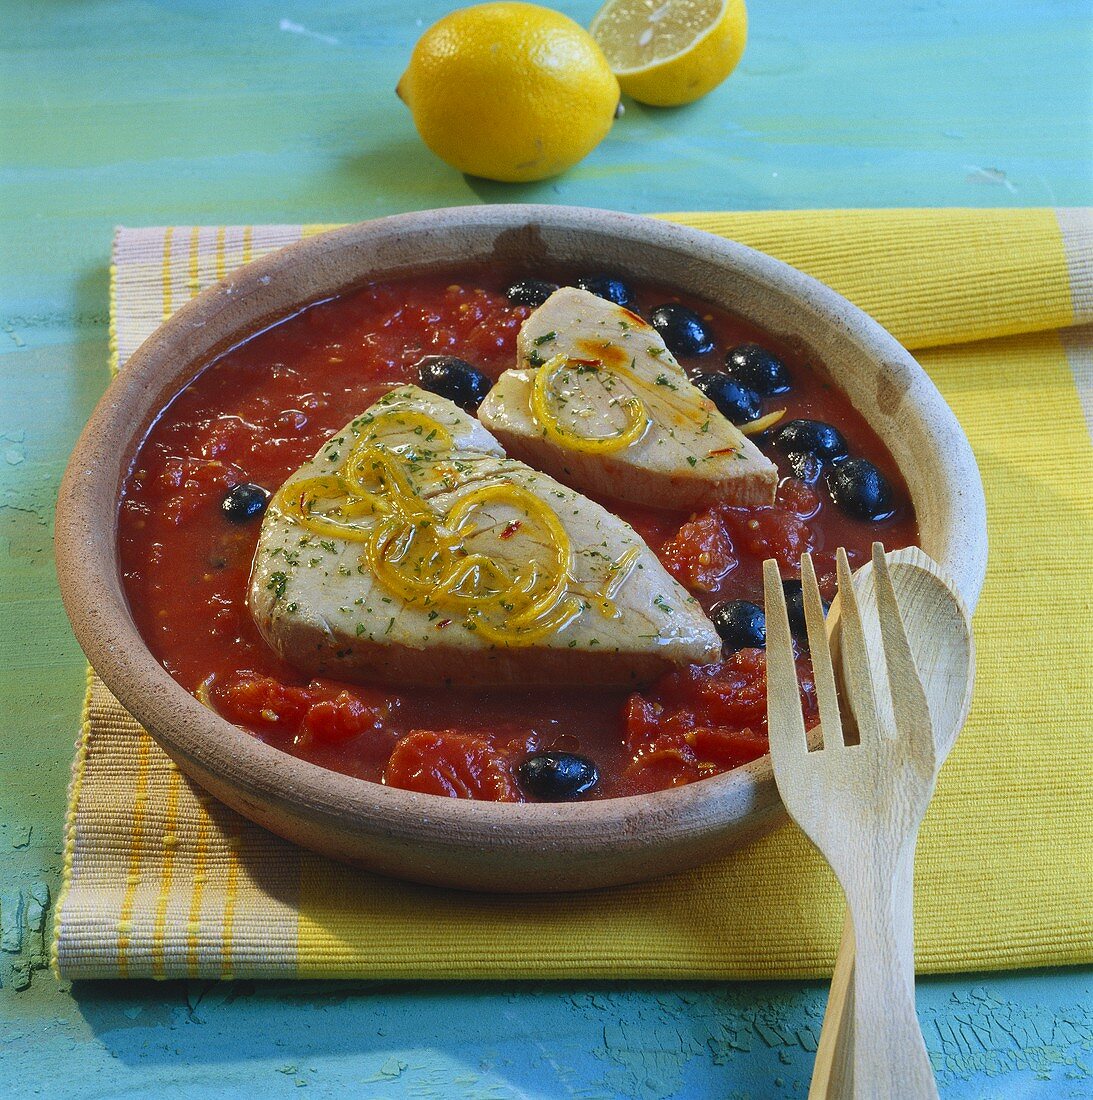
x: 833, y: 1074
x: 890, y: 1057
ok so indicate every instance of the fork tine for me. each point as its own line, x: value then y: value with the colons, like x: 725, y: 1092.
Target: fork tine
x: 855, y: 655
x: 909, y: 706
x: 785, y: 720
x: 822, y: 669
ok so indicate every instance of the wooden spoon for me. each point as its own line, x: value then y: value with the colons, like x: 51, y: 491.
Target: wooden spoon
x: 939, y: 633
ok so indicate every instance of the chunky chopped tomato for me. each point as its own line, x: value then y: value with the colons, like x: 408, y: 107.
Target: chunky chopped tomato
x: 797, y: 497
x: 700, y: 554
x: 705, y: 550
x: 732, y: 692
x: 727, y: 748
x: 703, y: 720
x: 321, y: 713
x: 692, y: 756
x: 456, y: 765
x: 763, y: 533
x: 662, y: 767
x: 261, y: 701
x: 346, y: 715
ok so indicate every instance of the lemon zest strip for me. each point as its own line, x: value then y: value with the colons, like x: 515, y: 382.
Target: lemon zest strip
x: 543, y: 409
x: 757, y: 427
x: 423, y: 557
x: 636, y: 405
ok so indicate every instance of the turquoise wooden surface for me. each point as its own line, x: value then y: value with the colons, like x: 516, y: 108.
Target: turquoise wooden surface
x: 149, y: 113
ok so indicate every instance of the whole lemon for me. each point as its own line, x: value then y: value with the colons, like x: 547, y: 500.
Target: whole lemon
x: 509, y: 91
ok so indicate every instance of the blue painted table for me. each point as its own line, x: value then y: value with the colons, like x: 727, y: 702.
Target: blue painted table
x: 199, y: 111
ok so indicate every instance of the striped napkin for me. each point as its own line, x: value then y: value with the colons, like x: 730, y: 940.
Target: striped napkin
x: 161, y: 880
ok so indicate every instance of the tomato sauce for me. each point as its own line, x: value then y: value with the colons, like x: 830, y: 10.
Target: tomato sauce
x: 266, y: 406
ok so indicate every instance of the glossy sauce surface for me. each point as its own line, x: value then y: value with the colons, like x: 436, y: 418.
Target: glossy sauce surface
x: 266, y: 406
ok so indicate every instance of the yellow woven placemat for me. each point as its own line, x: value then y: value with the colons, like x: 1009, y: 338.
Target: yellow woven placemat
x: 162, y: 881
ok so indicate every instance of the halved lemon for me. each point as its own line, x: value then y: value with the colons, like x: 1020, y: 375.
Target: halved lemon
x: 669, y: 52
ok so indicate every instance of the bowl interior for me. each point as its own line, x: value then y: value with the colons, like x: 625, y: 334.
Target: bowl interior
x: 401, y: 832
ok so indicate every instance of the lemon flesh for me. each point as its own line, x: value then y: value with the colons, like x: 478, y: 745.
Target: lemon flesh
x: 669, y: 52
x: 509, y: 91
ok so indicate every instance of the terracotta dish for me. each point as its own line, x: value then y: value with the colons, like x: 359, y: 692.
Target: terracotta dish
x: 454, y: 842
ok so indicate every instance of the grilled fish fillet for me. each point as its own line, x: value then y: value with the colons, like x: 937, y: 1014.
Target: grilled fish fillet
x: 599, y: 402
x: 411, y: 550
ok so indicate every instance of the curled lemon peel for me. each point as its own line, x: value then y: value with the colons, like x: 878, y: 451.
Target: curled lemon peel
x: 429, y: 559
x: 542, y: 405
x: 636, y: 404
x: 757, y: 427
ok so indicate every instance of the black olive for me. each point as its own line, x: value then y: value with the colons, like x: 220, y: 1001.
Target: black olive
x: 454, y: 379
x: 682, y: 329
x: 558, y: 776
x: 734, y: 402
x: 243, y: 502
x: 805, y: 467
x: 860, y: 489
x: 811, y: 437
x: 607, y: 287
x: 742, y: 625
x: 530, y: 292
x: 795, y: 606
x: 757, y: 368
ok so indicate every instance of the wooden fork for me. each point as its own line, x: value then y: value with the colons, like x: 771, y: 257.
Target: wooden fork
x: 940, y: 632
x: 861, y: 805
